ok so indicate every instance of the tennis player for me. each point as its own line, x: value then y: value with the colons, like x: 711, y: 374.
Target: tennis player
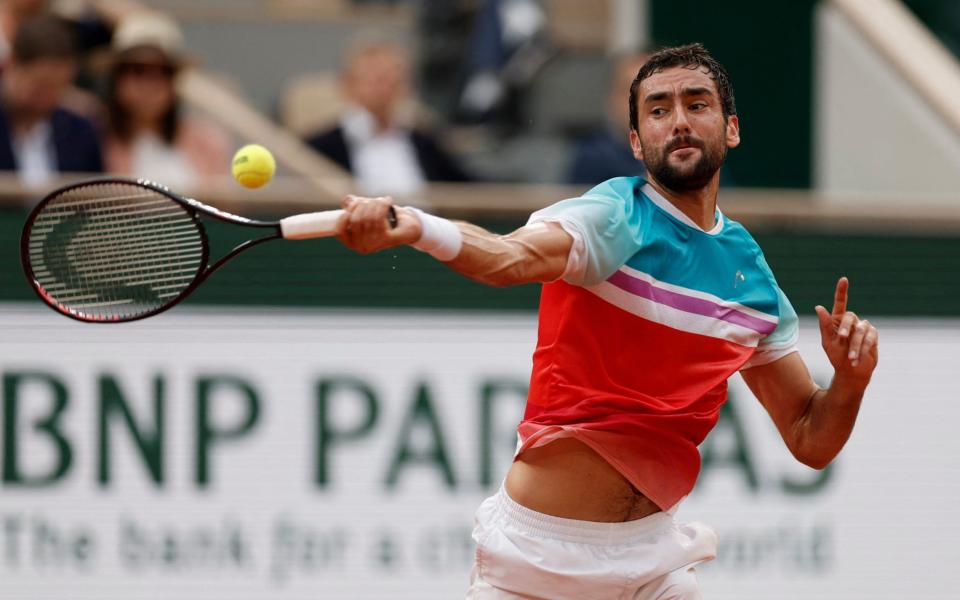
x: 652, y: 299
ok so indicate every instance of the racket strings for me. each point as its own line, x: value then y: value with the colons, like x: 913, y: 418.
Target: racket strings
x: 114, y: 251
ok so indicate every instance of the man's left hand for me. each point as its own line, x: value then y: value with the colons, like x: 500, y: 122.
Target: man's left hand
x: 850, y: 342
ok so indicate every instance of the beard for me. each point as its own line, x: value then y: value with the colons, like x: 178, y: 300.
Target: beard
x: 685, y: 179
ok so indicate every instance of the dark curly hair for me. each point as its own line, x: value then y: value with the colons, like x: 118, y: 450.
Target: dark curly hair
x: 689, y: 56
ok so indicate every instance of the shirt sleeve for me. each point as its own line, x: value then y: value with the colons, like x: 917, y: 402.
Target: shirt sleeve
x: 782, y: 340
x: 605, y: 231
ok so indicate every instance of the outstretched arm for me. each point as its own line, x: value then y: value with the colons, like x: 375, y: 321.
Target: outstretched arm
x: 534, y: 253
x: 815, y: 423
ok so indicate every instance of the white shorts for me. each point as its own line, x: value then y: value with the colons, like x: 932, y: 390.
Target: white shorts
x: 525, y: 554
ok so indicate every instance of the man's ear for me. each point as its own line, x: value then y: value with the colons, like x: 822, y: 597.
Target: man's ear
x: 733, y: 131
x: 635, y: 145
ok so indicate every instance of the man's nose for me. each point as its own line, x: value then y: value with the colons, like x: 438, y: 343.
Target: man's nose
x: 681, y: 126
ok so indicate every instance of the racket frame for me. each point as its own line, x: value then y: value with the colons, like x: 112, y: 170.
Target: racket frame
x: 193, y: 207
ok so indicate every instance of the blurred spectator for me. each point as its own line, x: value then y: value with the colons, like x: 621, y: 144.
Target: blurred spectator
x: 374, y: 139
x: 148, y: 136
x: 12, y: 14
x: 507, y: 49
x: 606, y: 153
x: 443, y: 32
x: 90, y: 24
x: 38, y: 138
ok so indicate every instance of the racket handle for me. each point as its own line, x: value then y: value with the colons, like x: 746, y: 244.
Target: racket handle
x: 318, y: 224
x: 310, y: 225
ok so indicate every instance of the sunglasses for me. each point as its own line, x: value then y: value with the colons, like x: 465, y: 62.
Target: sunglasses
x: 147, y: 70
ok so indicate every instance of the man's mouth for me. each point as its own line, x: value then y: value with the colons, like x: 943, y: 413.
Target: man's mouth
x: 684, y: 150
x: 683, y: 145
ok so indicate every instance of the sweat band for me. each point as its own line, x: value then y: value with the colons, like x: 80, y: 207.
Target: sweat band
x: 440, y: 238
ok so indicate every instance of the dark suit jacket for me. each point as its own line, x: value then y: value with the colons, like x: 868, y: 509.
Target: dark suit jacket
x: 75, y: 142
x: 600, y: 157
x: 437, y: 165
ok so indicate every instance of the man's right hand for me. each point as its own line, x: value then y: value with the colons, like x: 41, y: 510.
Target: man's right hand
x: 364, y: 226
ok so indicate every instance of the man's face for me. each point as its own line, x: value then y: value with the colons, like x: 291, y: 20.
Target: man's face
x: 37, y: 88
x: 683, y: 136
x: 377, y: 80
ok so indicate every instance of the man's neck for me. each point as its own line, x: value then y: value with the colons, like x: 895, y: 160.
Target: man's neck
x: 699, y: 205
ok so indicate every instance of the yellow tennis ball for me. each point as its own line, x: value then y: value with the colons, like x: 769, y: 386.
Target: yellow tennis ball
x: 253, y: 166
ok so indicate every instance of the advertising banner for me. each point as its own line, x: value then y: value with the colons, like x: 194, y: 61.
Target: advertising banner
x: 248, y: 454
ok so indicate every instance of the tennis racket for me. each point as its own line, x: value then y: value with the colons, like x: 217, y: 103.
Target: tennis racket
x: 117, y: 250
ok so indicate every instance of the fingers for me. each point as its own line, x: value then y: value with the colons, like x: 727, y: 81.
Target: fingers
x: 840, y: 297
x: 369, y: 218
x: 846, y: 338
x: 860, y: 330
x: 365, y: 228
x: 871, y: 343
x: 847, y: 321
x: 826, y: 323
x: 861, y: 346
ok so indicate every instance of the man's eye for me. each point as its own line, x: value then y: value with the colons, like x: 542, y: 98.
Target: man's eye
x: 698, y: 105
x: 658, y: 112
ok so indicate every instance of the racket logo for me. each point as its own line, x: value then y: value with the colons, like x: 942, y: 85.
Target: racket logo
x: 78, y: 260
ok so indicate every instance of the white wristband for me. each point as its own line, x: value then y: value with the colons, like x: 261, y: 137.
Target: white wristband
x: 440, y: 238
